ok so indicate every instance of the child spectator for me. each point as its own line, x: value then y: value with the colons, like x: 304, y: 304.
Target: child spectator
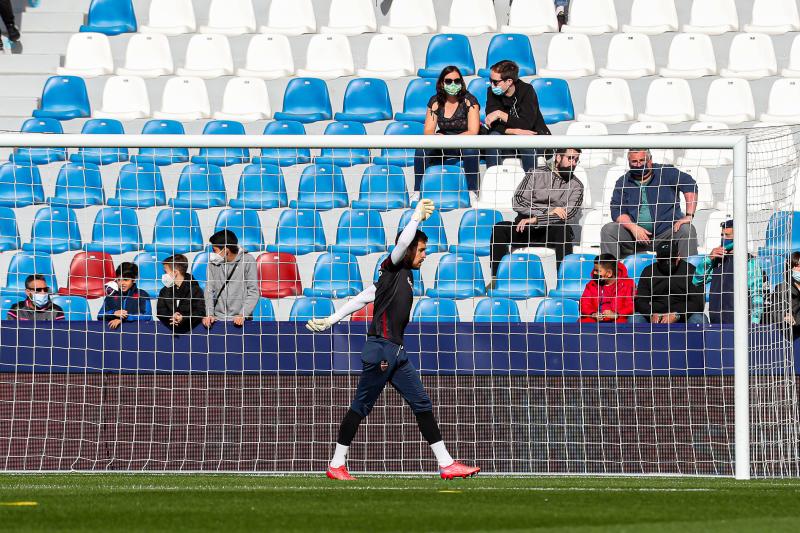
x: 609, y: 296
x: 181, y: 304
x: 124, y: 301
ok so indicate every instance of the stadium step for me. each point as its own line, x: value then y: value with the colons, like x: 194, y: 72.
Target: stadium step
x: 45, y: 43
x: 29, y: 63
x: 50, y: 21
x: 18, y: 106
x: 62, y: 6
x: 23, y: 85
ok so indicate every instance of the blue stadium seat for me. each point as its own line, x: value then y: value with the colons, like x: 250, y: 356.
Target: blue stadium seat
x: 261, y: 187
x: 115, y: 231
x: 304, y: 309
x: 555, y: 100
x: 101, y: 156
x: 176, y: 231
x: 344, y: 157
x: 560, y: 310
x: 419, y: 288
x: 448, y: 49
x: 446, y: 185
x: 496, y: 310
x: 22, y: 265
x: 246, y: 224
x: 299, y: 232
x: 573, y: 275
x: 64, y: 98
x: 475, y: 231
x: 435, y: 310
x: 433, y: 228
x: 78, y: 185
x: 39, y: 156
x: 306, y: 100
x: 200, y: 187
x: 111, y: 17
x: 150, y: 272
x: 222, y: 157
x: 636, y: 263
x: 519, y: 276
x: 283, y: 157
x: 383, y: 187
x: 264, y: 312
x: 139, y: 185
x: 20, y: 186
x: 415, y: 101
x: 778, y: 238
x: 773, y: 266
x: 366, y: 100
x: 200, y: 267
x: 6, y: 302
x: 321, y: 187
x: 511, y: 46
x: 336, y: 275
x: 478, y: 88
x: 360, y: 232
x: 402, y: 157
x: 458, y: 276
x: 76, y: 308
x: 162, y: 156
x: 55, y: 230
x: 9, y: 233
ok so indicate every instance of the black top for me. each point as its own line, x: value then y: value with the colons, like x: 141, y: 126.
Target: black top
x: 522, y: 108
x: 187, y: 300
x: 664, y: 292
x: 775, y: 312
x: 394, y: 294
x: 458, y: 123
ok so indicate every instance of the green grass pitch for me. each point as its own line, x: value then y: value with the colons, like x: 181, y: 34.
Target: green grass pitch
x: 189, y: 502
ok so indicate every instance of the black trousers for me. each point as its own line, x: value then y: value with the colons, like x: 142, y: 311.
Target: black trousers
x: 506, y: 239
x: 6, y: 13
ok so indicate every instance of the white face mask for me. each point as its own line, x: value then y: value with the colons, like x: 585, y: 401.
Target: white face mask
x: 796, y: 275
x: 215, y: 259
x: 167, y: 280
x: 40, y: 299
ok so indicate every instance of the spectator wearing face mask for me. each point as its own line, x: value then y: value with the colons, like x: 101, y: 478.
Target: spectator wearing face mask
x: 125, y: 302
x: 609, y: 296
x: 37, y: 305
x: 788, y: 312
x: 181, y: 304
x: 232, y: 281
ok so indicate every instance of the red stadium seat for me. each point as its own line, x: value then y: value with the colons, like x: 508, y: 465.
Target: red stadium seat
x: 363, y: 315
x: 278, y: 276
x: 88, y: 272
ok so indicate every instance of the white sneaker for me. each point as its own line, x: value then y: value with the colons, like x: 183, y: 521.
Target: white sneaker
x: 414, y: 197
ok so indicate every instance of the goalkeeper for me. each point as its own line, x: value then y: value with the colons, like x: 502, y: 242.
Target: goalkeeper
x: 383, y: 358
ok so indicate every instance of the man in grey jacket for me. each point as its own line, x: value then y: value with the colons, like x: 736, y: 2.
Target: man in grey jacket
x: 232, y: 281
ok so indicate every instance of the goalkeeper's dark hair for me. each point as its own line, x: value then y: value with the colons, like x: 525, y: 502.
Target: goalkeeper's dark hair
x: 607, y: 261
x: 411, y: 251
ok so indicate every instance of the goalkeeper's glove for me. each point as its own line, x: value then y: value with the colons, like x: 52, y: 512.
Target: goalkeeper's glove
x: 424, y: 210
x: 319, y: 324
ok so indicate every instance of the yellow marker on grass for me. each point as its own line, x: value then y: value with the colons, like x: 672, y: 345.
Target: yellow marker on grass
x: 19, y: 504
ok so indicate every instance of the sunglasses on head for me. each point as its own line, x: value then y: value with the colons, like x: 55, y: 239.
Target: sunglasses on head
x: 39, y: 289
x: 450, y: 81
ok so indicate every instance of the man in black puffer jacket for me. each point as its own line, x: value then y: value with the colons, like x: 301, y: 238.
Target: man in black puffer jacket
x: 181, y: 304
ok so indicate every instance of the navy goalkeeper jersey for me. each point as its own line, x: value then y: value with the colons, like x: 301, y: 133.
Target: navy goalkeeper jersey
x: 394, y: 294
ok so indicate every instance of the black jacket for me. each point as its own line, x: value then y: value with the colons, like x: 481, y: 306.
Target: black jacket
x: 522, y: 108
x: 187, y: 300
x: 774, y: 310
x: 660, y: 293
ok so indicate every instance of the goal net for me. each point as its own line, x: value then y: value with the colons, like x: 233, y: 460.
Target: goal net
x: 541, y: 355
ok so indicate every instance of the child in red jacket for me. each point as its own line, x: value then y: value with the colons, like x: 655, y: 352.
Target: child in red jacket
x: 609, y: 296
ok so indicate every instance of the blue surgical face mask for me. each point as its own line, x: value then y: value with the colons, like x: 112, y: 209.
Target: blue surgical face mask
x: 499, y: 91
x: 727, y: 244
x: 796, y: 276
x: 40, y: 299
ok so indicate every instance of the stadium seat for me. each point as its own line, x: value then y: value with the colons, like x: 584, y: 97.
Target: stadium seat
x: 124, y: 98
x: 207, y: 56
x: 264, y: 312
x: 669, y: 100
x: 350, y: 17
x: 496, y: 310
x: 447, y: 49
x: 360, y: 232
x: 706, y: 157
x: 111, y: 17
x: 9, y: 234
x: 760, y: 192
x: 729, y: 100
x: 150, y: 272
x: 712, y: 17
x: 55, y: 230
x: 471, y: 17
x: 705, y: 194
x: 479, y: 89
x: 612, y: 175
x: 88, y: 273
x: 245, y: 100
x: 388, y: 57
x: 593, y: 157
x: 200, y: 187
x: 557, y: 310
x: 39, y: 156
x: 222, y: 157
x: 246, y: 224
x: 778, y: 239
x: 383, y: 187
x: 260, y: 187
x: 336, y: 275
x: 299, y: 232
x: 304, y: 309
x: 200, y: 267
x: 366, y: 100
x: 792, y: 70
x: 269, y: 57
x: 184, y: 99
x: 652, y: 17
x: 435, y: 310
x: 520, y: 276
x: 401, y: 157
x: 555, y: 100
x: 419, y: 288
x: 328, y: 56
x: 176, y: 231
x: 660, y: 155
x: 170, y: 17
x: 364, y: 314
x: 343, y: 157
x: 283, y: 157
x: 691, y: 55
x: 78, y: 186
x: 512, y: 46
x: 458, y: 276
x: 498, y: 186
x: 751, y: 56
x: 278, y: 276
x: 290, y: 17
x: 162, y: 156
x: 101, y: 156
x: 574, y: 273
x: 88, y: 56
x: 230, y: 17
x: 569, y: 56
x: 115, y: 231
x: 774, y: 17
x: 75, y: 308
x: 475, y: 232
x: 63, y: 98
x: 321, y: 187
x: 22, y: 265
x: 636, y: 263
x: 608, y: 100
x: 630, y: 57
x: 433, y: 228
x: 591, y: 225
x: 20, y: 186
x: 411, y: 17
x: 784, y: 102
x: 415, y: 100
x: 591, y: 17
x: 139, y: 185
x: 531, y: 17
x: 446, y: 185
x: 306, y: 100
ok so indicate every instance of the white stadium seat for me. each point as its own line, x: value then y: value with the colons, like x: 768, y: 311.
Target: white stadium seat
x: 290, y: 17
x: 669, y: 100
x: 705, y: 194
x: 652, y: 17
x: 269, y: 57
x: 170, y: 17
x: 774, y: 17
x: 591, y: 158
x: 660, y: 155
x: 591, y: 226
x: 207, y: 56
x: 712, y: 17
x: 148, y: 56
x: 245, y: 100
x: 88, y: 56
x: 580, y: 173
x: 411, y: 17
x: 612, y: 175
x: 691, y: 55
x: 792, y: 70
x: 710, y: 238
x: 498, y: 186
x: 771, y: 145
x: 531, y: 17
x: 350, y: 17
x: 784, y: 102
x: 569, y: 56
x: 630, y: 56
x: 471, y: 17
x: 328, y: 56
x: 124, y: 98
x: 704, y: 156
x: 591, y: 17
x: 759, y: 191
x: 729, y: 100
x: 608, y: 100
x: 389, y: 56
x: 230, y: 17
x: 751, y: 56
x: 184, y: 98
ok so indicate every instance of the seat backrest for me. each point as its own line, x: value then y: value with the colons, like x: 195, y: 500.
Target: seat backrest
x: 648, y: 13
x: 304, y: 309
x: 23, y: 264
x: 89, y: 50
x: 80, y: 182
x: 570, y: 51
x: 112, y: 13
x: 691, y: 51
x: 520, y: 276
x: 575, y: 272
x: 360, y: 226
x: 558, y: 310
x: 496, y: 310
x: 20, y: 185
x: 232, y: 14
x: 630, y: 51
x: 209, y: 51
x: 349, y: 13
x: 76, y: 308
x: 418, y: 92
x: 65, y: 93
x: 291, y: 13
x: 327, y: 51
x: 476, y: 226
x: 365, y: 95
x: 390, y: 52
x: 9, y: 233
x: 592, y: 13
x: 775, y: 13
x: 150, y: 272
x: 56, y: 224
x: 262, y: 182
x: 450, y: 49
x: 636, y: 263
x: 246, y: 95
x: 177, y: 227
x: 337, y: 270
x: 202, y: 181
x: 554, y: 97
x: 126, y: 94
x: 522, y: 12
x: 459, y: 270
x: 141, y: 185
x: 413, y: 13
x: 498, y: 186
x: 246, y: 224
x: 470, y: 13
x: 323, y: 183
x: 300, y: 226
x: 714, y: 13
x: 609, y: 96
x: 278, y: 273
x: 41, y: 125
x: 479, y: 89
x: 116, y: 225
x: 185, y: 94
x: 269, y: 52
x: 168, y: 13
x: 751, y: 51
x: 89, y: 271
x: 514, y: 47
x: 383, y: 183
x: 784, y: 96
x: 444, y: 180
x: 730, y: 96
x: 307, y: 95
x: 435, y: 310
x: 264, y: 311
x: 669, y: 95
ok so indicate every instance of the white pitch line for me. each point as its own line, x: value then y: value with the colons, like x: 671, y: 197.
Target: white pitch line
x: 156, y: 488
